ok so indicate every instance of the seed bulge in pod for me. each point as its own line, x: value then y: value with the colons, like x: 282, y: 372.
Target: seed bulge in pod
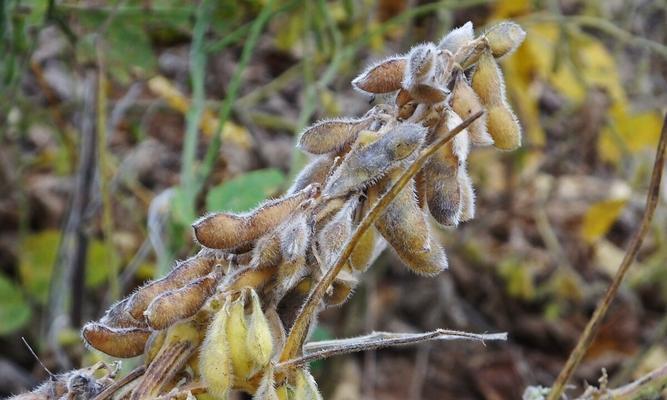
x: 116, y: 342
x: 487, y: 81
x: 420, y: 66
x: 504, y: 127
x: 331, y: 135
x: 215, y: 359
x: 366, y: 165
x: 404, y: 226
x: 175, y: 305
x: 259, y: 340
x: 465, y: 102
x: 305, y: 386
x: 237, y: 336
x: 383, y: 77
x: 227, y: 230
x: 315, y: 171
x: 504, y: 38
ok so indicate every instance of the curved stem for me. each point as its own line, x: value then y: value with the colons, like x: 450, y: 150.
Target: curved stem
x: 593, y: 325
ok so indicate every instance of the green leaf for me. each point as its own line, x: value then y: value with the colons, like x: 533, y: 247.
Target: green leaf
x: 126, y: 48
x: 38, y: 253
x: 244, y: 192
x: 98, y: 261
x: 14, y: 310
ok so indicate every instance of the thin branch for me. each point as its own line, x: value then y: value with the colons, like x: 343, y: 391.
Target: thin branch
x: 594, y: 324
x: 119, y: 384
x: 377, y: 340
x: 297, y: 335
x: 653, y: 382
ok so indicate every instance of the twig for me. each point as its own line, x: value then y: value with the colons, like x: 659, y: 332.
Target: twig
x: 297, y: 335
x: 119, y: 384
x: 66, y: 286
x: 594, y: 324
x: 377, y: 340
x: 653, y: 382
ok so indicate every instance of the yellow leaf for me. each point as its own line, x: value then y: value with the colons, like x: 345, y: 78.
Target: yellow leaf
x: 628, y: 132
x: 209, y: 122
x: 599, y: 218
x: 509, y: 9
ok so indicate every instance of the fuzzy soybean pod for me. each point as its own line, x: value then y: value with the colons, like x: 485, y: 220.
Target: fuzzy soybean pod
x: 267, y: 251
x: 336, y: 233
x: 332, y: 135
x: 183, y: 273
x: 227, y: 230
x: 441, y: 175
x: 295, y: 236
x: 467, y: 195
x: 502, y: 124
x: 366, y: 165
x: 316, y: 171
x: 404, y: 226
x: 215, y: 362
x: 420, y: 66
x: 259, y: 340
x: 427, y: 94
x: 487, y: 80
x: 116, y: 342
x: 266, y: 389
x: 118, y: 316
x: 504, y: 127
x: 175, y: 305
x: 465, y: 102
x: 305, y: 387
x: 180, y: 343
x: 504, y: 38
x: 457, y: 38
x: 237, y: 333
x: 383, y: 77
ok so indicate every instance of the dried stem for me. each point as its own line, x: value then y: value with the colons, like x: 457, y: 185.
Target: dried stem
x: 594, y: 324
x: 377, y: 340
x: 119, y: 384
x: 297, y: 335
x: 653, y: 382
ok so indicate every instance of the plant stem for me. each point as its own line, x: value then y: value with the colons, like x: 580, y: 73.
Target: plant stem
x: 197, y: 67
x: 593, y: 325
x: 213, y: 150
x: 297, y: 335
x: 377, y: 340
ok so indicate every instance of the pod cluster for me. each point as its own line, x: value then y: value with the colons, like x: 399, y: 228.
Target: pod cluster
x: 222, y: 316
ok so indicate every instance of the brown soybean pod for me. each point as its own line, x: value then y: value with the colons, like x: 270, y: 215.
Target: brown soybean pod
x: 331, y: 135
x: 173, y: 306
x: 442, y: 190
x: 404, y: 226
x: 184, y: 272
x: 227, y: 230
x: 465, y: 102
x: 383, y: 77
x: 116, y: 342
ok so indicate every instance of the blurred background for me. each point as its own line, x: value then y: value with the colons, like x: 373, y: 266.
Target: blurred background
x: 103, y: 167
